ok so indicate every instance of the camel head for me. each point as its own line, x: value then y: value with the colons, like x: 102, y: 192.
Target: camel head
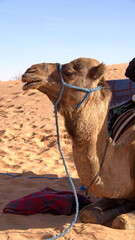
x: 130, y: 71
x: 82, y: 72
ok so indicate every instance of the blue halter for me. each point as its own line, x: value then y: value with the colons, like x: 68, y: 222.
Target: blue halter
x: 64, y: 84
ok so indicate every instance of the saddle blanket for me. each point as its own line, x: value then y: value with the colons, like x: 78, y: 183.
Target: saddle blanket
x: 47, y: 200
x: 122, y: 90
x: 120, y: 119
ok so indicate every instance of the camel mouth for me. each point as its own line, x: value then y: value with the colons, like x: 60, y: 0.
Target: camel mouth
x: 31, y: 85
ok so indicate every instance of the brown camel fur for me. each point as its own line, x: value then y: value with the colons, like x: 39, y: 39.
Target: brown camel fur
x: 87, y: 127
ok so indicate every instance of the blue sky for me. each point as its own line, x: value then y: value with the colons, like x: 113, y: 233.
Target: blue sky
x: 34, y: 31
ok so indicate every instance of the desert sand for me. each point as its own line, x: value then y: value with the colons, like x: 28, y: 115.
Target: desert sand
x: 28, y: 148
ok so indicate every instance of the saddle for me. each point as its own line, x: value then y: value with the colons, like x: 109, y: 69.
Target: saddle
x: 120, y: 118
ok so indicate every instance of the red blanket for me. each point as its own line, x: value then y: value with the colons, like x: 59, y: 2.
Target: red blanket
x: 47, y: 200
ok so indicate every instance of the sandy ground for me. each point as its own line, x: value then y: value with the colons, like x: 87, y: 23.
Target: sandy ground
x: 28, y: 148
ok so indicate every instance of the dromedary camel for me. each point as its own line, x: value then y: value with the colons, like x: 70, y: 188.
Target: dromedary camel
x: 106, y: 168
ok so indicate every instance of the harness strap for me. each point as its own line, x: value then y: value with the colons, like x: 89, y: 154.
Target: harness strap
x: 64, y: 84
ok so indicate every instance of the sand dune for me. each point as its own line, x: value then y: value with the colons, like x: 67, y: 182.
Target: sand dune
x: 28, y: 148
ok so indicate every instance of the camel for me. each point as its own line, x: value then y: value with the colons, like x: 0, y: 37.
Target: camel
x: 106, y: 168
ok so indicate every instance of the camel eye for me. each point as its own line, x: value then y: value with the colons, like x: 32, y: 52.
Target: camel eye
x: 69, y: 74
x: 77, y: 67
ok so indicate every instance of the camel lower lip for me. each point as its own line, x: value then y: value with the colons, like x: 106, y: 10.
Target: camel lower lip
x: 32, y: 85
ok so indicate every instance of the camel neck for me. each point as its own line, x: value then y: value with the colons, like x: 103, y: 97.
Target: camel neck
x: 89, y: 124
x: 89, y: 137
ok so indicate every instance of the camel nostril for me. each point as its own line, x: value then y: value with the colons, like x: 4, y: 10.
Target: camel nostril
x: 31, y: 70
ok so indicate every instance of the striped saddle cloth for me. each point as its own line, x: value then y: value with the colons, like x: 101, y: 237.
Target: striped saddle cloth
x: 120, y: 118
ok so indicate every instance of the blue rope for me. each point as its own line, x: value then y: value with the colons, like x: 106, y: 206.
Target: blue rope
x: 89, y: 91
x: 82, y: 188
x: 69, y: 178
x: 16, y: 176
x: 64, y: 163
x: 83, y: 89
x: 11, y: 175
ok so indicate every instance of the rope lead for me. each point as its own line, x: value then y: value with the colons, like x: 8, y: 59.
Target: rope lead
x: 69, y: 178
x: 88, y: 92
x: 64, y: 163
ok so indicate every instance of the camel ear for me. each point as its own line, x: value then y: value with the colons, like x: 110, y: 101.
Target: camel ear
x: 97, y: 72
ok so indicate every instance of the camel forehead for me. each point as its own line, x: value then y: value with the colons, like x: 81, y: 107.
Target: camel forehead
x: 85, y: 61
x: 44, y: 66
